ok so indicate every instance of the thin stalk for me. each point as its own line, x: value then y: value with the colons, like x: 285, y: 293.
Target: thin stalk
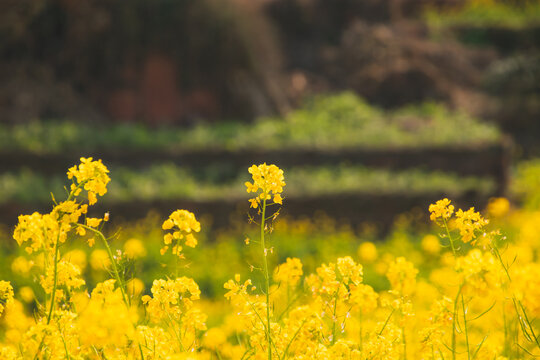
x: 360, y: 331
x: 177, y: 259
x: 262, y: 322
x: 334, y: 319
x: 39, y: 348
x: 404, y: 341
x: 506, y: 351
x: 267, y: 278
x: 141, y: 352
x: 56, y: 252
x: 178, y: 335
x: 529, y: 324
x: 454, y: 318
x: 449, y: 237
x: 386, y: 322
x: 68, y: 357
x: 465, y: 326
x: 289, y: 305
x: 496, y: 251
x: 113, y: 262
x: 55, y: 281
x: 293, y: 338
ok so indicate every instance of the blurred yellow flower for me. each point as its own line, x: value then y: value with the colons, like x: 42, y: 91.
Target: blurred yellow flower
x: 498, y: 207
x: 27, y: 294
x: 77, y: 257
x: 99, y: 260
x: 431, y: 244
x: 214, y: 338
x: 289, y: 273
x: 367, y: 252
x: 134, y: 249
x: 402, y: 276
x: 21, y: 266
x: 135, y: 287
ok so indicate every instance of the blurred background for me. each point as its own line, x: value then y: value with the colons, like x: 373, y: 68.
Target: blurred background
x: 373, y: 108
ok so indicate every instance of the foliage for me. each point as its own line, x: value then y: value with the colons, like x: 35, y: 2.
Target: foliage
x: 168, y: 181
x: 527, y: 183
x: 328, y: 122
x: 514, y: 14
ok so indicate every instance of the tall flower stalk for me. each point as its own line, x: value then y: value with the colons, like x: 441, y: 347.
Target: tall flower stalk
x: 268, y: 182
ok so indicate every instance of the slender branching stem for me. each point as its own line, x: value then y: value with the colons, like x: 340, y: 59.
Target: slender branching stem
x: 267, y: 279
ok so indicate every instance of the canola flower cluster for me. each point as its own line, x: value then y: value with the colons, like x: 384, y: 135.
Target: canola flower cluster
x: 480, y: 301
x: 184, y: 224
x: 268, y: 180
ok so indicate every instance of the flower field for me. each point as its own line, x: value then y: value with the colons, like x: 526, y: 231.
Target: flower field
x: 71, y: 287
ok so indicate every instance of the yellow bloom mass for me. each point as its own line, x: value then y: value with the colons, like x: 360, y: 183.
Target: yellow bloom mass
x: 441, y: 210
x: 269, y: 181
x: 6, y: 294
x: 465, y: 303
x: 183, y: 224
x: 468, y: 222
x: 90, y: 175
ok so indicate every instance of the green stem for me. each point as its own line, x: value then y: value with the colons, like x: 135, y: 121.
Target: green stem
x: 68, y: 357
x: 456, y: 310
x: 262, y: 322
x: 267, y: 278
x: 141, y: 352
x: 361, y: 345
x: 386, y: 322
x: 177, y: 259
x: 404, y: 341
x: 55, y: 281
x: 506, y: 349
x: 454, y: 317
x: 113, y: 262
x: 334, y: 319
x: 56, y: 252
x: 450, y: 237
x: 465, y: 326
x: 177, y: 334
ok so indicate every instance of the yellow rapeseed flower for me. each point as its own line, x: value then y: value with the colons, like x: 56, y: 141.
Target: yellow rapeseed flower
x: 99, y: 260
x: 289, y: 273
x: 134, y: 249
x: 68, y: 276
x: 269, y: 180
x: 78, y: 258
x: 402, y: 276
x: 183, y: 224
x: 367, y: 252
x: 93, y: 222
x: 135, y: 286
x: 431, y: 244
x: 6, y: 295
x: 441, y: 210
x: 498, y: 207
x: 27, y: 294
x: 21, y: 266
x: 90, y: 175
x: 467, y: 222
